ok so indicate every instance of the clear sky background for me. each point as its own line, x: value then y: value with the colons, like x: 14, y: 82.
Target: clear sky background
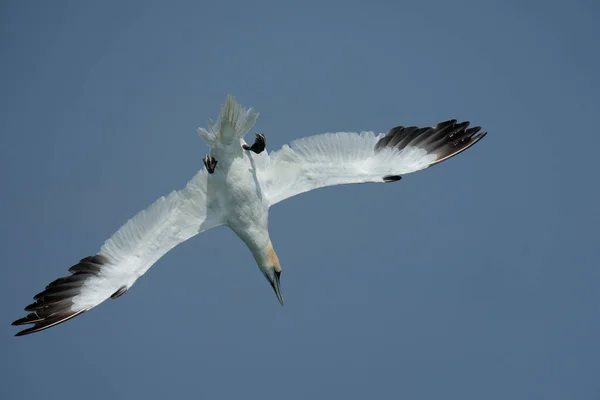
x: 475, y: 279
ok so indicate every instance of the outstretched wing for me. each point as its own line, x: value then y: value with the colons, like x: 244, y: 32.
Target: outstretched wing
x: 340, y: 158
x: 126, y: 256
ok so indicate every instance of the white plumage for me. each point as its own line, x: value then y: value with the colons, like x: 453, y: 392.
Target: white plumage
x: 145, y: 238
x: 334, y: 159
x: 238, y: 193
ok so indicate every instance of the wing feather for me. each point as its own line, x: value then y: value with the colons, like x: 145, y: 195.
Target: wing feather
x: 344, y: 157
x: 125, y: 256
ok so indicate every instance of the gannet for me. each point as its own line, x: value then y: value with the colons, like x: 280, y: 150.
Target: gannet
x: 236, y: 189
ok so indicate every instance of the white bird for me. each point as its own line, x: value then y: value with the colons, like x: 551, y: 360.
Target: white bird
x: 236, y: 189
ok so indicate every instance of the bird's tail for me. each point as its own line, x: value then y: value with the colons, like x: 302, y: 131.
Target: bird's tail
x: 234, y: 122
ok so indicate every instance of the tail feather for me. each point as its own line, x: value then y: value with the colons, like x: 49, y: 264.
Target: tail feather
x: 234, y: 122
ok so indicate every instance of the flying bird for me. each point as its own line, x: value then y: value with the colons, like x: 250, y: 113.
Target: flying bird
x: 236, y: 188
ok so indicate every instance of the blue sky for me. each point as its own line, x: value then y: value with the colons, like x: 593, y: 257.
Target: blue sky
x: 473, y: 279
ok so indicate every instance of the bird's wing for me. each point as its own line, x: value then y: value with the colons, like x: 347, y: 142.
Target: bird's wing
x: 125, y: 256
x: 340, y: 158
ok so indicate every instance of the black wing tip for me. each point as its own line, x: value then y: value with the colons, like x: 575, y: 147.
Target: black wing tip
x: 53, y: 305
x: 445, y: 140
x: 47, y: 323
x: 21, y: 321
x: 455, y: 149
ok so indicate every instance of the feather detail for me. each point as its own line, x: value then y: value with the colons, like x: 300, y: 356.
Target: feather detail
x: 234, y: 122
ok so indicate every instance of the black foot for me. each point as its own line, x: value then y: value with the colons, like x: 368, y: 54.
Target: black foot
x: 259, y: 144
x: 210, y: 163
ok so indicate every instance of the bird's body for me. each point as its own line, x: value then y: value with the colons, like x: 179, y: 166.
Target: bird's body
x: 236, y: 189
x: 243, y: 204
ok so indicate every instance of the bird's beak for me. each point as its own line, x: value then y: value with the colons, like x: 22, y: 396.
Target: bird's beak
x: 277, y: 288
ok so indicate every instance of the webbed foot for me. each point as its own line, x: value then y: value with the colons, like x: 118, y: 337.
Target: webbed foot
x: 259, y: 144
x: 210, y: 163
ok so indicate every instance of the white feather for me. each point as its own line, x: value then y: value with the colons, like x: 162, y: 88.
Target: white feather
x: 146, y: 237
x: 234, y: 122
x: 334, y: 159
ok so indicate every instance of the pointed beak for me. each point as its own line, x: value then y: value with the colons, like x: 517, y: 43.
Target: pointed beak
x: 277, y: 288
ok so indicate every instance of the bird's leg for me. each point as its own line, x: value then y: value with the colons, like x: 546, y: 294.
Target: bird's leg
x: 210, y: 163
x: 259, y: 144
